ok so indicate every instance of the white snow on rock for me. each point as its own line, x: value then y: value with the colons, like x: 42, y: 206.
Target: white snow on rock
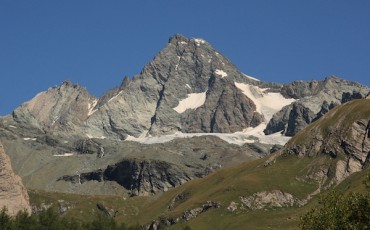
x: 183, y: 42
x: 266, y: 103
x: 252, y: 78
x: 114, y: 97
x: 187, y: 85
x: 29, y: 139
x: 12, y: 126
x: 221, y: 73
x: 91, y: 107
x: 63, y: 155
x: 199, y: 41
x: 91, y: 136
x: 193, y: 101
x: 249, y: 135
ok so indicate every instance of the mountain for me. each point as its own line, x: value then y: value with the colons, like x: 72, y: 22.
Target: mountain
x: 188, y: 113
x: 188, y: 87
x: 13, y: 194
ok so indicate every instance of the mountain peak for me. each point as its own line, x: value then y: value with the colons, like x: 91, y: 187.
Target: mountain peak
x: 178, y: 38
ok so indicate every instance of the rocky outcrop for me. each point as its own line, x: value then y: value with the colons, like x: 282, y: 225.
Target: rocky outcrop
x: 226, y: 110
x: 186, y: 216
x: 342, y: 134
x: 140, y: 177
x: 348, y: 96
x: 299, y: 118
x: 192, y: 213
x: 271, y: 199
x: 13, y: 195
x: 315, y: 99
x: 178, y: 199
x: 61, y: 108
x: 326, y: 107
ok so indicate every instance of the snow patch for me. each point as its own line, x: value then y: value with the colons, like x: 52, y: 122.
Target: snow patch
x: 91, y: 107
x: 193, y: 101
x: 199, y: 41
x: 12, y: 126
x: 221, y: 73
x: 252, y: 78
x: 187, y: 85
x: 63, y: 155
x: 178, y: 63
x: 183, y: 42
x: 29, y: 139
x: 266, y: 103
x: 91, y: 136
x: 114, y: 97
x: 249, y: 135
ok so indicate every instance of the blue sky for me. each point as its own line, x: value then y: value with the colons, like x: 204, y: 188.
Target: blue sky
x: 96, y: 43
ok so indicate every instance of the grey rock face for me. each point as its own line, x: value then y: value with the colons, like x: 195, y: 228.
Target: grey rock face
x: 13, y: 195
x: 140, y: 177
x: 299, y: 118
x: 353, y: 146
x: 272, y: 199
x: 313, y: 99
x: 63, y: 108
x: 225, y: 110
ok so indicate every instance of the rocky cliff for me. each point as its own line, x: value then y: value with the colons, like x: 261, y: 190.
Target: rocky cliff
x: 315, y: 98
x: 13, y: 195
x: 342, y: 135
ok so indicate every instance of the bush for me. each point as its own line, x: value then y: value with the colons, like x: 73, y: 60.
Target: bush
x: 50, y: 219
x: 337, y: 211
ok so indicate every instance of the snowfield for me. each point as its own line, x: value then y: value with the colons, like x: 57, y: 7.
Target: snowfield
x: 239, y: 138
x: 193, y: 101
x: 221, y: 73
x: 266, y: 103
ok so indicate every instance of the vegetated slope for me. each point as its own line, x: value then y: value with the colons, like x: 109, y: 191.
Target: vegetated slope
x: 344, y: 135
x: 323, y: 155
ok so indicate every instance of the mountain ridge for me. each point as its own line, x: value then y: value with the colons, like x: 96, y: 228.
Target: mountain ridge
x: 188, y: 87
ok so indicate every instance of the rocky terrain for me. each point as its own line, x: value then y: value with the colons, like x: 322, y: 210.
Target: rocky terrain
x: 13, y: 195
x: 188, y: 113
x: 343, y: 134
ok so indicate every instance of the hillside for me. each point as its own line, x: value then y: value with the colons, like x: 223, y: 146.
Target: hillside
x: 272, y: 192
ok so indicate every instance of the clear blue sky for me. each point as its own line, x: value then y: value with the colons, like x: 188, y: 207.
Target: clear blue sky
x: 96, y: 43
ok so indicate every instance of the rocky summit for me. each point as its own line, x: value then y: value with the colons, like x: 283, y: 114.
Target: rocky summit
x: 129, y: 139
